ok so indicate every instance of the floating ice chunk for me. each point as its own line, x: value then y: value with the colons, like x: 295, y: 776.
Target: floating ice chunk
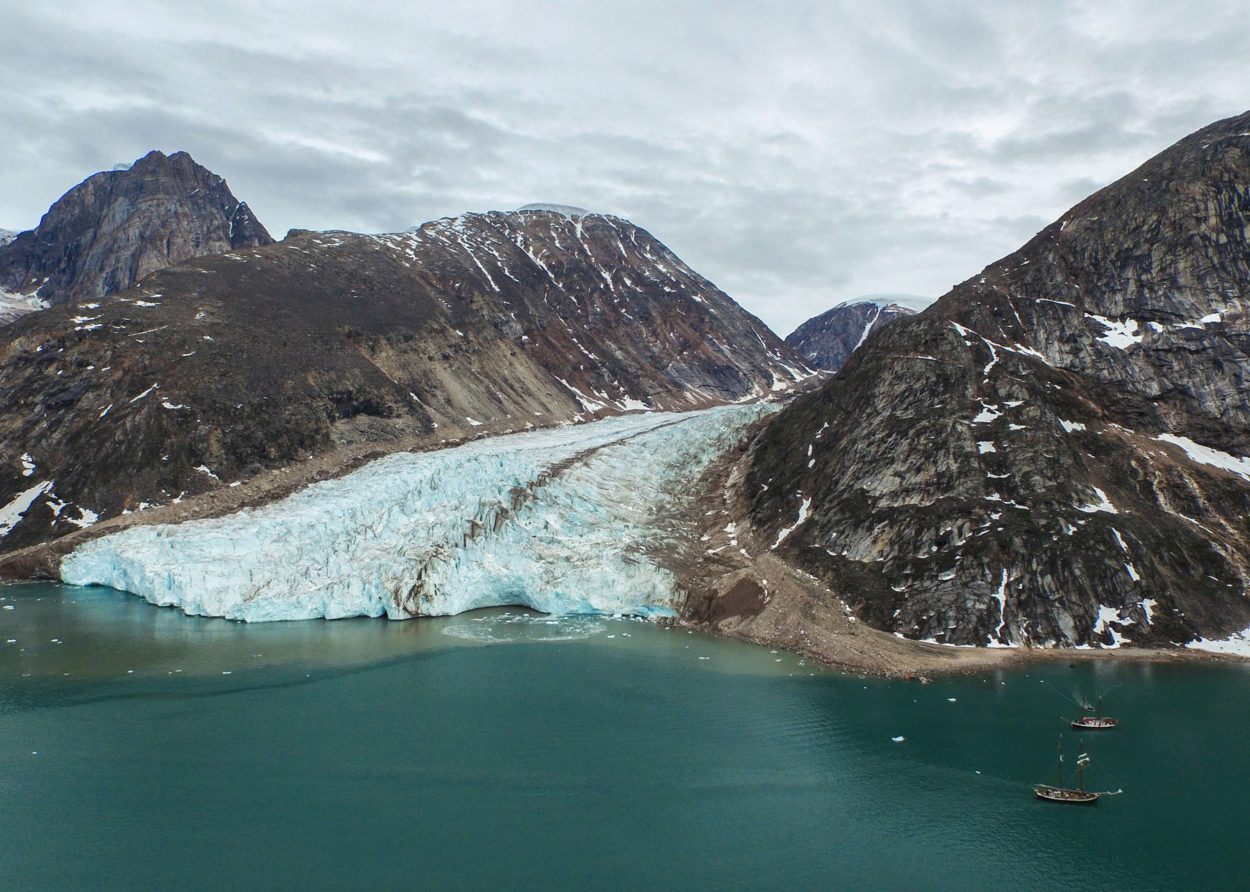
x: 899, y: 739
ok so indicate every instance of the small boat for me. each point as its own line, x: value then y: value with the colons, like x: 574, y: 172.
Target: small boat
x: 1079, y: 796
x: 1096, y: 722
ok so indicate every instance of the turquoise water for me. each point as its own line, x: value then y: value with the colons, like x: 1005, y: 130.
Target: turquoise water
x: 507, y: 750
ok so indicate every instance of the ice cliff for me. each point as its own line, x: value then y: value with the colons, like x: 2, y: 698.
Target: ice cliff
x: 567, y: 520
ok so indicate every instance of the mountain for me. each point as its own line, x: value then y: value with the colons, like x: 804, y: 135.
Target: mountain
x: 116, y: 227
x: 6, y: 236
x: 1050, y: 454
x: 825, y: 341
x: 245, y: 373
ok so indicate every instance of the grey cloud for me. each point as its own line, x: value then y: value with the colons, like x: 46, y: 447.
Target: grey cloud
x: 796, y: 155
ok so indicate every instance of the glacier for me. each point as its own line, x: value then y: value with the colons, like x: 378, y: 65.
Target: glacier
x: 569, y: 520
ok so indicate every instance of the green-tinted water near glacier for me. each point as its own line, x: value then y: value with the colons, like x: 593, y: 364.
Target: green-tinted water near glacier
x: 140, y: 748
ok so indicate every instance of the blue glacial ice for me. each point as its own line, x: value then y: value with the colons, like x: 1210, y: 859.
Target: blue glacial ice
x: 567, y: 521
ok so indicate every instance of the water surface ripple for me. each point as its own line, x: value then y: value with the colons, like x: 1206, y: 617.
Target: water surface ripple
x: 141, y: 748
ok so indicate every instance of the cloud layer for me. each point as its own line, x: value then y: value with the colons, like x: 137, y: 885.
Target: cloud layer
x: 797, y: 154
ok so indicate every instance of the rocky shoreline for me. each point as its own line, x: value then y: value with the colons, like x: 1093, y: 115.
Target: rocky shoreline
x: 740, y: 589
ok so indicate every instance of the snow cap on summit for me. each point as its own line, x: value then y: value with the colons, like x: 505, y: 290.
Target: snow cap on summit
x: 567, y: 209
x: 908, y: 301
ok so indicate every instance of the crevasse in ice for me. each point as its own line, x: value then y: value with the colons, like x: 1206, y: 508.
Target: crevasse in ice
x: 564, y: 521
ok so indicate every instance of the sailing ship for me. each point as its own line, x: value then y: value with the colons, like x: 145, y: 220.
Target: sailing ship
x: 1096, y: 722
x: 1079, y: 796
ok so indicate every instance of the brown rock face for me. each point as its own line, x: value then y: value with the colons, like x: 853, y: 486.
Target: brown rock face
x: 118, y: 226
x: 1004, y: 467
x: 211, y: 372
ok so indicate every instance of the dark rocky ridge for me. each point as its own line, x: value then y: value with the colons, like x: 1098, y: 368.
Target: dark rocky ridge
x: 211, y: 372
x: 825, y: 341
x: 989, y: 471
x: 116, y: 227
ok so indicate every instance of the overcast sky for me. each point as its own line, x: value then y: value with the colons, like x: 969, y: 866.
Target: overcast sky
x: 796, y: 153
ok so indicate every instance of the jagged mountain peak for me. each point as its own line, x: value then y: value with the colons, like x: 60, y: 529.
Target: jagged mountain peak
x: 118, y: 226
x: 825, y: 341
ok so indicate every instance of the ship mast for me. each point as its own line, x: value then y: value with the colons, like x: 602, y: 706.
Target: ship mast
x: 1081, y: 761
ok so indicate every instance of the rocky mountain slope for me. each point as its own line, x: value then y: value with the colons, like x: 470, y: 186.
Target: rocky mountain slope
x: 209, y: 373
x: 825, y: 341
x: 1051, y: 453
x: 116, y: 227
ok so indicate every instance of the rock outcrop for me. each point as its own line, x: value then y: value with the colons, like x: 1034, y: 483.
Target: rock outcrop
x: 1051, y: 453
x: 118, y: 226
x: 209, y: 373
x: 825, y: 341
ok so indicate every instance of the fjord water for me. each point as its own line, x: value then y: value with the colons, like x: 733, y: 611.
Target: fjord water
x: 141, y: 748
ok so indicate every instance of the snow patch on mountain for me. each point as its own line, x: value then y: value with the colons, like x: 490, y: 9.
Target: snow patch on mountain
x: 13, y: 305
x: 1237, y: 644
x: 1205, y: 455
x: 1120, y: 333
x: 11, y: 513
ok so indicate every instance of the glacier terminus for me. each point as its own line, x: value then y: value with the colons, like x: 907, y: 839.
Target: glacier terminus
x: 568, y: 520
